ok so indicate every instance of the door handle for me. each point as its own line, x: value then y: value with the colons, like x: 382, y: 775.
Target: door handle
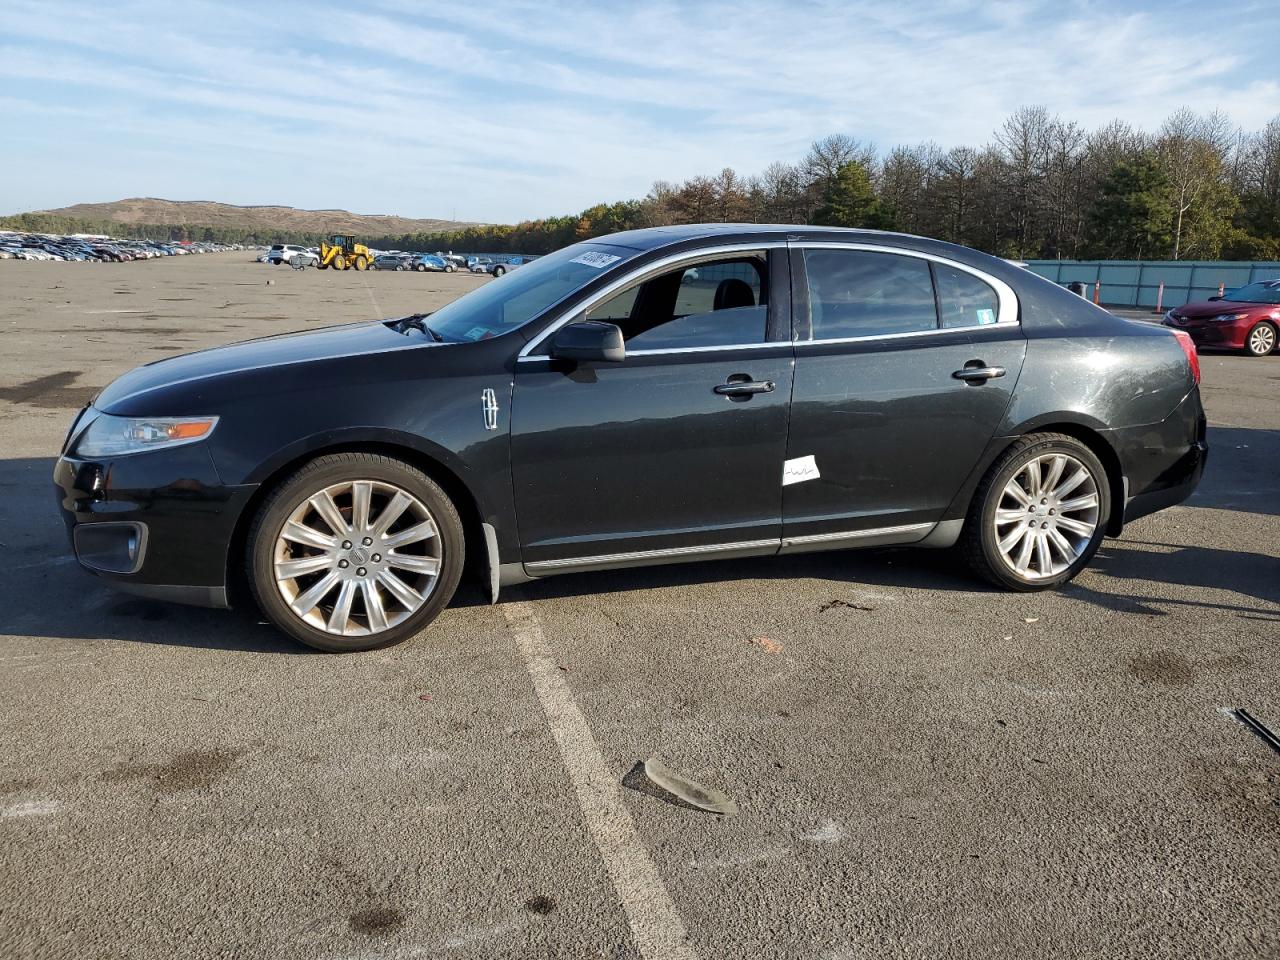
x: 744, y: 388
x: 975, y: 376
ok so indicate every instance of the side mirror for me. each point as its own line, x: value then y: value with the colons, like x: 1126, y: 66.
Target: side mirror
x: 1214, y: 297
x: 588, y: 340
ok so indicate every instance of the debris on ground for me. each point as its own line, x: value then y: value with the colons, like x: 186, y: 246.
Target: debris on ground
x: 1267, y: 735
x: 832, y: 604
x: 689, y: 792
x: 1030, y: 619
x: 424, y: 696
x: 767, y: 644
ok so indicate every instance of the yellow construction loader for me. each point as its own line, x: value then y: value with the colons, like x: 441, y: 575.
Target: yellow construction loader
x: 341, y: 252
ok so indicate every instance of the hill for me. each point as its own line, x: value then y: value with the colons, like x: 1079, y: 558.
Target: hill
x: 282, y: 220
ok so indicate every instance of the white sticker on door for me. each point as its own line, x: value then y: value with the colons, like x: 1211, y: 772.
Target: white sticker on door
x: 799, y: 470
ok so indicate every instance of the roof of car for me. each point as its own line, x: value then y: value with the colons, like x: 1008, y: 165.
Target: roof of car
x: 652, y: 237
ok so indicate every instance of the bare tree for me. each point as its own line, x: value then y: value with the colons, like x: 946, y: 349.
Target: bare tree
x: 1192, y: 148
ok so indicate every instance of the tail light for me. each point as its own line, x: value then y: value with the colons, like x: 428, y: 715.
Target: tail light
x: 1189, y: 348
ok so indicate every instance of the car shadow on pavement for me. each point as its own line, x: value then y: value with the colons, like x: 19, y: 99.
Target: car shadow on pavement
x: 1241, y: 472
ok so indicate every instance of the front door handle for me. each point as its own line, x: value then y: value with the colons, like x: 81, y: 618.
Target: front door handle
x: 976, y: 375
x: 744, y: 388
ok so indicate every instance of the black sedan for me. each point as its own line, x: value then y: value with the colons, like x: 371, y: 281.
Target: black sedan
x: 662, y: 395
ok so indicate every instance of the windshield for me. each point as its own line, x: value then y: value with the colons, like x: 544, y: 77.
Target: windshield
x: 1268, y: 292
x: 505, y: 303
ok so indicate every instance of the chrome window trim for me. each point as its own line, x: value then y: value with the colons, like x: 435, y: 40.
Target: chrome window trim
x: 656, y: 266
x: 1006, y: 300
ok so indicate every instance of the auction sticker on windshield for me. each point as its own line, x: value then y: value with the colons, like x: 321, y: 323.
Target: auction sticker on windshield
x: 597, y: 260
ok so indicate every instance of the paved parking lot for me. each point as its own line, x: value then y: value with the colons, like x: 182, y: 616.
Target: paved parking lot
x: 923, y: 767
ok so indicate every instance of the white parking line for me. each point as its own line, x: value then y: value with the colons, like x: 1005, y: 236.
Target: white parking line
x: 656, y: 926
x: 377, y: 309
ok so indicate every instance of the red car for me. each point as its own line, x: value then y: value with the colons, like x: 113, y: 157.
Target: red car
x: 1243, y: 319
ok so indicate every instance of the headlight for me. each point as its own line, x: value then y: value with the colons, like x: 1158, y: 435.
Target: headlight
x: 109, y: 436
x: 1228, y: 317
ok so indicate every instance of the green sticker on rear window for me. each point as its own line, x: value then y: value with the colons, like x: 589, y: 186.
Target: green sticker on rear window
x: 986, y: 316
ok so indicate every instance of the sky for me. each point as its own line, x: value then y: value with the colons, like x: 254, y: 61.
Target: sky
x: 504, y: 111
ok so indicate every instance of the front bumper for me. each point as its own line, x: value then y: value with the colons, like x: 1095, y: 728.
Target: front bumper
x: 159, y: 523
x: 1223, y: 336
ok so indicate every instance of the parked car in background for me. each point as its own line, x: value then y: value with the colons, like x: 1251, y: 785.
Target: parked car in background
x: 424, y: 262
x: 1246, y: 318
x: 816, y: 389
x: 283, y: 252
x: 479, y: 264
x: 505, y: 266
x: 393, y: 261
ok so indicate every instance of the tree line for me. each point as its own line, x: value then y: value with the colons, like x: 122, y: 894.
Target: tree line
x: 1042, y: 188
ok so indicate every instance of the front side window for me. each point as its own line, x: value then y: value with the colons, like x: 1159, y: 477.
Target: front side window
x: 860, y: 293
x: 963, y: 299
x: 718, y: 303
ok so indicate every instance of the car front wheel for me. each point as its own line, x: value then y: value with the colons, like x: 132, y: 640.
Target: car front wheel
x: 355, y: 551
x: 1261, y: 340
x: 1039, y: 515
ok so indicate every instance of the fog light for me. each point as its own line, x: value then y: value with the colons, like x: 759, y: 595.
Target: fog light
x: 111, y: 547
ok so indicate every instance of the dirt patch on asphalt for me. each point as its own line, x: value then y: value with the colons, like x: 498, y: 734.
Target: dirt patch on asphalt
x: 1162, y: 666
x: 376, y: 920
x: 194, y: 770
x: 53, y: 390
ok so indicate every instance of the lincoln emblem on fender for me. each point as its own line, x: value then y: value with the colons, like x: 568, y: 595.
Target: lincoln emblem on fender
x: 489, y: 400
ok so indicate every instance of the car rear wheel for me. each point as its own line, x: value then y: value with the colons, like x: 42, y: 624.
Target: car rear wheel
x: 1039, y: 515
x: 421, y: 268
x: 448, y: 268
x: 355, y: 551
x: 1261, y: 340
x: 498, y: 271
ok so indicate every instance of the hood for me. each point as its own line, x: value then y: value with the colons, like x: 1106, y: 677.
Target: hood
x: 348, y: 340
x: 1203, y: 309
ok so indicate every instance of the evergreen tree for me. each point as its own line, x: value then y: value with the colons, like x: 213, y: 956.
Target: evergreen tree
x: 1132, y: 215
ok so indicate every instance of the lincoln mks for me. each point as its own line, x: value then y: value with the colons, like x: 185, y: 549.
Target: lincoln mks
x: 662, y: 395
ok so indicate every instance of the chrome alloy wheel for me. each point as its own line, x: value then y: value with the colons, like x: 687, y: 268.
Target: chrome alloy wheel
x: 1262, y: 340
x: 357, y: 558
x: 1047, y: 514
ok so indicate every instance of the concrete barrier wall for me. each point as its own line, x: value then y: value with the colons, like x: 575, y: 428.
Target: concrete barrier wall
x: 1135, y: 283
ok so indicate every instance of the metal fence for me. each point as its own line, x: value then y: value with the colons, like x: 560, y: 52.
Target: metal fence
x: 1136, y: 283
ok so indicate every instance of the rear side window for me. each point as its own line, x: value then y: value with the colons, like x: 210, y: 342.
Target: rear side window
x: 859, y: 293
x: 963, y: 299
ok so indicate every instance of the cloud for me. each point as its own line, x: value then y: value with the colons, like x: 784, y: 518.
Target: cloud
x: 532, y: 109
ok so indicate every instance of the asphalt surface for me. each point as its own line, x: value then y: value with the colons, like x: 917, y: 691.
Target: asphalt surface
x: 923, y: 767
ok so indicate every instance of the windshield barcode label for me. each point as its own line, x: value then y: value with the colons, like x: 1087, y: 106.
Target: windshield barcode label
x: 596, y: 260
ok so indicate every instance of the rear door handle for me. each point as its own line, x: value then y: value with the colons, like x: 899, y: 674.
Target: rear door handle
x: 744, y: 388
x: 977, y: 375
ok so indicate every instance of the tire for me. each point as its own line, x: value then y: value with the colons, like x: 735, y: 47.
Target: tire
x: 448, y: 268
x: 332, y: 576
x: 361, y: 263
x: 421, y: 268
x: 1261, y: 340
x: 989, y: 540
x: 339, y: 262
x: 498, y: 271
